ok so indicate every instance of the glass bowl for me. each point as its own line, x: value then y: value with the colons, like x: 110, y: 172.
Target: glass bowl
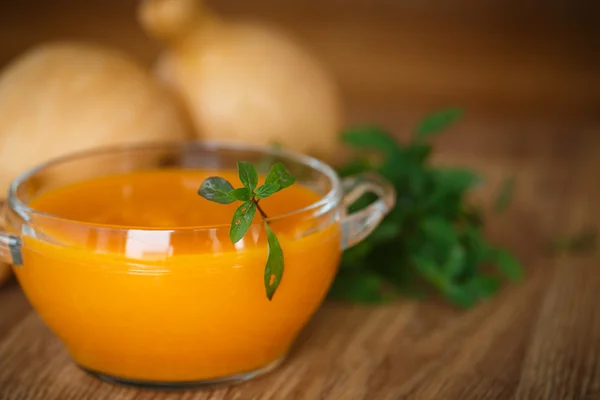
x: 145, y: 306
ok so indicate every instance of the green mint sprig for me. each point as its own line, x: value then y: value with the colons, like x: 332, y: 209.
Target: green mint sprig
x: 220, y: 190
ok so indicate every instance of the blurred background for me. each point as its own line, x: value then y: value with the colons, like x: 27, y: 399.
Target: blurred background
x: 392, y: 58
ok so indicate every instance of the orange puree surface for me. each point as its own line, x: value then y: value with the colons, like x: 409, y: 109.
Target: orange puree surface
x: 170, y: 300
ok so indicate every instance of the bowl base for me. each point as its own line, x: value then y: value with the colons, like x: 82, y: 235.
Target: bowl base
x: 184, y: 385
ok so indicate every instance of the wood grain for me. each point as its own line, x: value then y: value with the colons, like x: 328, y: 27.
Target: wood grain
x: 532, y: 92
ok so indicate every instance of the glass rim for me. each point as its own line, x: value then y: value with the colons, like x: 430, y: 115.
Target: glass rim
x: 329, y: 200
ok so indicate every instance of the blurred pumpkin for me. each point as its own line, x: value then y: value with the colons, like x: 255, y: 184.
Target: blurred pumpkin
x: 242, y: 81
x: 62, y: 97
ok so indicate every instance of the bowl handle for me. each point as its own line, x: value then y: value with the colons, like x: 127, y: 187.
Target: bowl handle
x: 358, y: 225
x: 10, y: 249
x: 10, y: 245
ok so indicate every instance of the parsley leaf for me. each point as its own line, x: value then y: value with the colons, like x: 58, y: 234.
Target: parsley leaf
x: 433, y: 239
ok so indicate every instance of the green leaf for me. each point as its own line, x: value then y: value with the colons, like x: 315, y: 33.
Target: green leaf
x: 216, y: 189
x: 397, y: 167
x: 418, y: 181
x: 428, y: 268
x: 504, y: 195
x: 507, y: 264
x: 266, y: 190
x: 475, y: 242
x: 437, y: 122
x: 279, y: 175
x: 457, y: 294
x: 241, y: 194
x: 248, y: 175
x: 445, y: 189
x: 242, y: 219
x: 484, y: 286
x: 460, y: 296
x: 354, y: 257
x: 455, y: 262
x: 418, y: 152
x: 385, y: 232
x: 439, y: 229
x: 358, y: 286
x: 456, y: 179
x: 274, y: 267
x: 370, y: 137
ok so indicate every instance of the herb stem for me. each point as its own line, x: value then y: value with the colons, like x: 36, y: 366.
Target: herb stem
x: 260, y: 210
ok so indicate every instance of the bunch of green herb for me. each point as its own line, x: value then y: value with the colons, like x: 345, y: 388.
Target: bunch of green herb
x: 219, y: 190
x: 433, y: 238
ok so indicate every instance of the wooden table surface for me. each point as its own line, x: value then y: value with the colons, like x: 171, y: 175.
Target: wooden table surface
x: 536, y: 340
